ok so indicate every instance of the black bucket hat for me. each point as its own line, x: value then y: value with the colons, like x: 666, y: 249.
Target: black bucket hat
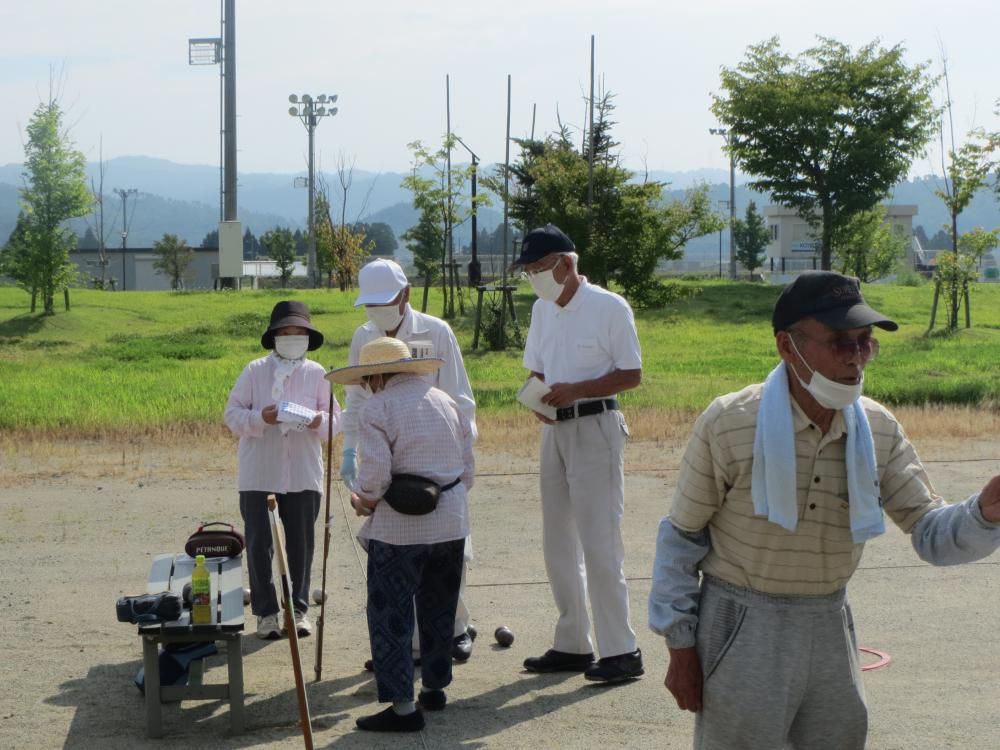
x: 291, y: 313
x: 831, y: 298
x: 541, y: 242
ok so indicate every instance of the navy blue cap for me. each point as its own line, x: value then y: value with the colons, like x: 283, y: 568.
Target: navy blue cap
x: 543, y: 241
x: 831, y: 298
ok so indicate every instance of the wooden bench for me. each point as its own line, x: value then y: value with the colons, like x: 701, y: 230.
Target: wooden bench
x: 170, y: 573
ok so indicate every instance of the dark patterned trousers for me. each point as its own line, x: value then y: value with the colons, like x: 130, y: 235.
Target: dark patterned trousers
x: 400, y: 577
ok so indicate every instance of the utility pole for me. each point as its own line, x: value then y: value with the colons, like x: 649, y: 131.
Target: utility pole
x: 124, y: 194
x: 724, y: 132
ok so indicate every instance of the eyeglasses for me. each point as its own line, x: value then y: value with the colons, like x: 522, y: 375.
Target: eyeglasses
x: 527, y: 272
x: 865, y: 347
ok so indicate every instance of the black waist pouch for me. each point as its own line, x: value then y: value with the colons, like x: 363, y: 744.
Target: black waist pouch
x: 414, y: 495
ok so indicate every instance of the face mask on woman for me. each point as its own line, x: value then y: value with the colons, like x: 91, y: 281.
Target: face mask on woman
x: 385, y: 317
x: 291, y: 347
x: 828, y: 393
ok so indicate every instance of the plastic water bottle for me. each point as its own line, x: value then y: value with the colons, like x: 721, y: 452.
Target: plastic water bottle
x: 201, y: 593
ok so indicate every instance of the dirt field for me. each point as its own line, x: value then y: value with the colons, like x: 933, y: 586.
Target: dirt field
x: 80, y: 523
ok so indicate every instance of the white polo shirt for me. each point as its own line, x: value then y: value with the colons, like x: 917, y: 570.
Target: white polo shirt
x: 591, y: 336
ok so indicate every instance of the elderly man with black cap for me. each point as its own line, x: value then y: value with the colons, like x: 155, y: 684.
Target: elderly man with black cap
x: 583, y: 345
x: 418, y: 466
x: 279, y: 408
x: 780, y: 487
x: 384, y: 293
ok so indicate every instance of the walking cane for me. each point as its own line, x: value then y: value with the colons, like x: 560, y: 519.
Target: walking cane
x: 293, y: 636
x: 318, y: 667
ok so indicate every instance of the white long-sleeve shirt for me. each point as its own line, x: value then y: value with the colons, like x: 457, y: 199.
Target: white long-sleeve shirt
x: 270, y: 460
x: 450, y: 378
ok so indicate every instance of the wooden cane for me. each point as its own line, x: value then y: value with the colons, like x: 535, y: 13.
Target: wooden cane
x: 293, y: 636
x: 318, y: 666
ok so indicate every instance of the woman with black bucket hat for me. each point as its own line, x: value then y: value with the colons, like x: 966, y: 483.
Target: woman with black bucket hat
x: 279, y: 409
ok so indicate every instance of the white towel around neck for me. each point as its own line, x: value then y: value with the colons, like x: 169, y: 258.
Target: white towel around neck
x: 773, y: 487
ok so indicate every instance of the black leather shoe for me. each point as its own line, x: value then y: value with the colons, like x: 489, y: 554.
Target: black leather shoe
x: 558, y: 661
x: 616, y: 668
x: 389, y: 721
x: 461, y: 649
x: 432, y: 700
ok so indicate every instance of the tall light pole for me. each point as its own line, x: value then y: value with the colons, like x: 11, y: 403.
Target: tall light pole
x: 722, y: 204
x: 124, y: 194
x: 310, y: 111
x: 732, y: 197
x: 221, y: 51
x: 475, y: 270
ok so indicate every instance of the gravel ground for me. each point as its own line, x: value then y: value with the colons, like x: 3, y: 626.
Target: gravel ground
x: 73, y: 541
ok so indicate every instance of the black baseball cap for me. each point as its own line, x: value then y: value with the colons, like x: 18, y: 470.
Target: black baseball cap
x: 831, y: 298
x: 541, y: 242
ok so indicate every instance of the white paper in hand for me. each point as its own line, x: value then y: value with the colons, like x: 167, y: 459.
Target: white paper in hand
x: 531, y: 396
x: 289, y: 411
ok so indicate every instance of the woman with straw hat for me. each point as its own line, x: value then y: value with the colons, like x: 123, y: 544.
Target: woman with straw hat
x: 409, y: 427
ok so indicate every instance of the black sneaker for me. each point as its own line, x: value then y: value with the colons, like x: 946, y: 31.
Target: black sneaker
x: 389, y: 721
x: 558, y: 661
x: 432, y: 700
x: 616, y: 668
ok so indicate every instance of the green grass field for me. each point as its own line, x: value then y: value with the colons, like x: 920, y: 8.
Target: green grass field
x: 133, y: 361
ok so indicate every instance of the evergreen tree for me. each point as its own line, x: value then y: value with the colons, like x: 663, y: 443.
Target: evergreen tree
x: 751, y: 237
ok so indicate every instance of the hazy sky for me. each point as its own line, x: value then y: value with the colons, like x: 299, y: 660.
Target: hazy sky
x: 126, y: 78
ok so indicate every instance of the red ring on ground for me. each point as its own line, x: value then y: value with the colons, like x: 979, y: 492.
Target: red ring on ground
x: 884, y: 658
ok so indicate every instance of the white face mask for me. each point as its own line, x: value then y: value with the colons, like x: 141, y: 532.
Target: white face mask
x: 385, y: 317
x: 828, y: 393
x: 291, y: 347
x: 544, y: 285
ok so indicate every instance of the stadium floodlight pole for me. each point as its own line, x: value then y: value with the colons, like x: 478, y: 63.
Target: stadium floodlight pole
x: 310, y: 111
x: 124, y: 194
x: 724, y: 132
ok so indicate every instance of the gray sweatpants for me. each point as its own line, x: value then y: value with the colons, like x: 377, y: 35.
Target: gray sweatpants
x: 781, y: 672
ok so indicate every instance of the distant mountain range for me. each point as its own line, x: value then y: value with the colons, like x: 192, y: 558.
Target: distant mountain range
x: 183, y: 199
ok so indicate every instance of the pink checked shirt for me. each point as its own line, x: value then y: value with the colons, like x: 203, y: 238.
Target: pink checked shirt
x: 411, y: 427
x: 271, y: 461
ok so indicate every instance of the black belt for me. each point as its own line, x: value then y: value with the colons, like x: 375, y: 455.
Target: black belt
x: 586, y: 409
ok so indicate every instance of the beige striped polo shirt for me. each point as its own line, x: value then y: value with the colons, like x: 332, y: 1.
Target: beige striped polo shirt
x: 819, y: 557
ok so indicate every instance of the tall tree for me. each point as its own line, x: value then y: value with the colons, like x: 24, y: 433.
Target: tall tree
x: 381, y: 235
x: 55, y: 190
x: 211, y: 239
x: 626, y: 230
x: 828, y: 132
x: 173, y: 258
x: 868, y: 246
x: 279, y: 244
x: 16, y: 260
x: 751, y: 237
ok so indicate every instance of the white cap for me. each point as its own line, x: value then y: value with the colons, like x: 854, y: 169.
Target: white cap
x: 379, y: 282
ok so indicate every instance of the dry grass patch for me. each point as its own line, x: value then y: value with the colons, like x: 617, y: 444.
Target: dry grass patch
x: 186, y: 452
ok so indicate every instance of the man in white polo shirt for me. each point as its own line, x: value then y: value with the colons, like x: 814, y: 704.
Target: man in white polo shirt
x: 582, y: 343
x: 384, y: 293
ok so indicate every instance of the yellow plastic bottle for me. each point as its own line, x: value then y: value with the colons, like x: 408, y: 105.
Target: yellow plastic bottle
x: 201, y: 593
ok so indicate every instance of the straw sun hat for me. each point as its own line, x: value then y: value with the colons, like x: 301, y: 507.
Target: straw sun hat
x: 381, y: 356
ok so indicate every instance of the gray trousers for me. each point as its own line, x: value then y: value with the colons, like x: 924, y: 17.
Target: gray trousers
x: 298, y: 512
x: 781, y: 672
